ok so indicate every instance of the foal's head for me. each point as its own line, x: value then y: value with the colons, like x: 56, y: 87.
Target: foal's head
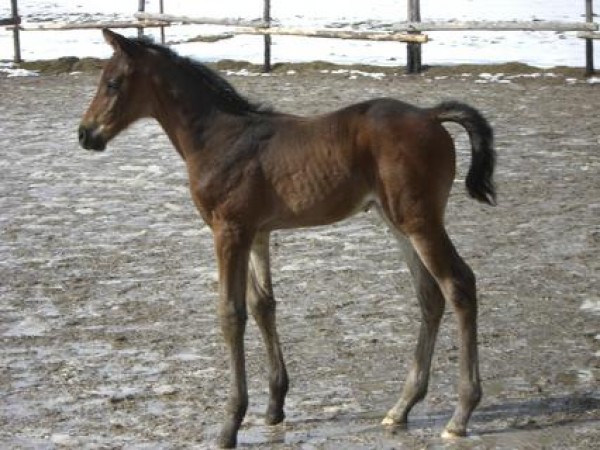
x: 137, y: 79
x: 122, y: 95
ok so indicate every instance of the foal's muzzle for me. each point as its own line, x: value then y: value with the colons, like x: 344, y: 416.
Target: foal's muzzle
x: 91, y: 139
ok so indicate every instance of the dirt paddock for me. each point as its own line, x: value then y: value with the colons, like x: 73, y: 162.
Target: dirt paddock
x: 109, y: 337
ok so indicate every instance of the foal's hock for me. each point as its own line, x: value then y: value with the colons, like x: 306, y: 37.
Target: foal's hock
x: 253, y: 170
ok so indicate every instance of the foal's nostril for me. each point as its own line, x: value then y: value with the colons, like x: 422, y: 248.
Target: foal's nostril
x: 90, y: 139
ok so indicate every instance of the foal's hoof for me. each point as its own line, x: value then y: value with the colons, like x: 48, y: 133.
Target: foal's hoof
x: 227, y: 441
x: 274, y: 417
x: 453, y: 433
x: 388, y: 421
x: 227, y: 438
x: 395, y: 419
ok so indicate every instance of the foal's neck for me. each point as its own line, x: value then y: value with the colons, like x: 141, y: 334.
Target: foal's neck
x: 183, y: 107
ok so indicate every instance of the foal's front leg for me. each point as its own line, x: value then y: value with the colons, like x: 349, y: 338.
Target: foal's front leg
x: 262, y: 306
x: 232, y: 248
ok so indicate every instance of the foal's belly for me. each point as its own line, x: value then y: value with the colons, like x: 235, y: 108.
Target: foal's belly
x: 329, y: 210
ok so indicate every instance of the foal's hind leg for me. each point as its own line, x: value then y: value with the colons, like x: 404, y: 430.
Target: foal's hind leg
x: 432, y: 309
x: 457, y: 283
x: 262, y: 305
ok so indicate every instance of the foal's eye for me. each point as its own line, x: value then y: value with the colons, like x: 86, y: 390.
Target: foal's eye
x: 113, y: 85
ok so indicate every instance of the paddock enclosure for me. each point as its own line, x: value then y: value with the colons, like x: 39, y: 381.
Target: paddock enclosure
x: 108, y: 327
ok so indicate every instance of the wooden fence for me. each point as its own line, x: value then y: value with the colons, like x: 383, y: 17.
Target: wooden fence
x: 410, y: 32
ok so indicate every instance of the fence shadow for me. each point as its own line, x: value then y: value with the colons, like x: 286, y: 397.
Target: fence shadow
x: 540, y: 413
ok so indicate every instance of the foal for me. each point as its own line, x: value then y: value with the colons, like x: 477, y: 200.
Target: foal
x: 252, y: 171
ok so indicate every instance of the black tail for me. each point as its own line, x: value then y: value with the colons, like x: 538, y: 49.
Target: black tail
x: 480, y: 184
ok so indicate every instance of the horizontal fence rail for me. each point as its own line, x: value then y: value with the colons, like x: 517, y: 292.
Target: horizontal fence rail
x: 188, y: 20
x: 67, y: 26
x: 337, y: 34
x: 510, y: 25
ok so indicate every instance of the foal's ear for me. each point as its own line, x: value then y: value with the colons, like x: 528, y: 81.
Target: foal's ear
x: 120, y: 43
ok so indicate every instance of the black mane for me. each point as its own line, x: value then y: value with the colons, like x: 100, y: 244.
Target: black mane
x: 224, y: 93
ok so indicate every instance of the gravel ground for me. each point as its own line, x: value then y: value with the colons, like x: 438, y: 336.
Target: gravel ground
x: 108, y: 332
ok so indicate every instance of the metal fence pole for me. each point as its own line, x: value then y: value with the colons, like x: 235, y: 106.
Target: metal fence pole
x: 16, y: 38
x: 267, y: 37
x: 413, y: 50
x: 141, y: 8
x: 589, y: 43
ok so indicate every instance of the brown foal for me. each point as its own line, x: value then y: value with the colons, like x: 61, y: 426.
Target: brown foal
x: 252, y: 171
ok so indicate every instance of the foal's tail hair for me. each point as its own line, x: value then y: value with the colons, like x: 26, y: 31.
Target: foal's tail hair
x: 480, y: 184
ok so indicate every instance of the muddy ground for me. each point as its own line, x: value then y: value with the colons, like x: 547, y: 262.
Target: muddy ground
x: 107, y: 280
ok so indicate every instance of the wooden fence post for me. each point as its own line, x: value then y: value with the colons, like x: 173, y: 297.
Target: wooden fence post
x: 16, y: 38
x: 589, y: 43
x: 267, y: 37
x: 141, y: 8
x: 161, y: 8
x: 413, y: 50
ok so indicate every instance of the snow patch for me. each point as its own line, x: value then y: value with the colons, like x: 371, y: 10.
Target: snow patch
x: 241, y: 73
x: 353, y: 74
x: 30, y: 326
x: 485, y: 78
x: 16, y: 72
x: 591, y: 306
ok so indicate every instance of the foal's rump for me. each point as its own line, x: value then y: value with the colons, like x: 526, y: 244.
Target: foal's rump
x: 415, y: 157
x: 407, y: 131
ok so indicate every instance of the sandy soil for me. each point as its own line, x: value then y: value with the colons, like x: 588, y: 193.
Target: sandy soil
x: 107, y: 281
